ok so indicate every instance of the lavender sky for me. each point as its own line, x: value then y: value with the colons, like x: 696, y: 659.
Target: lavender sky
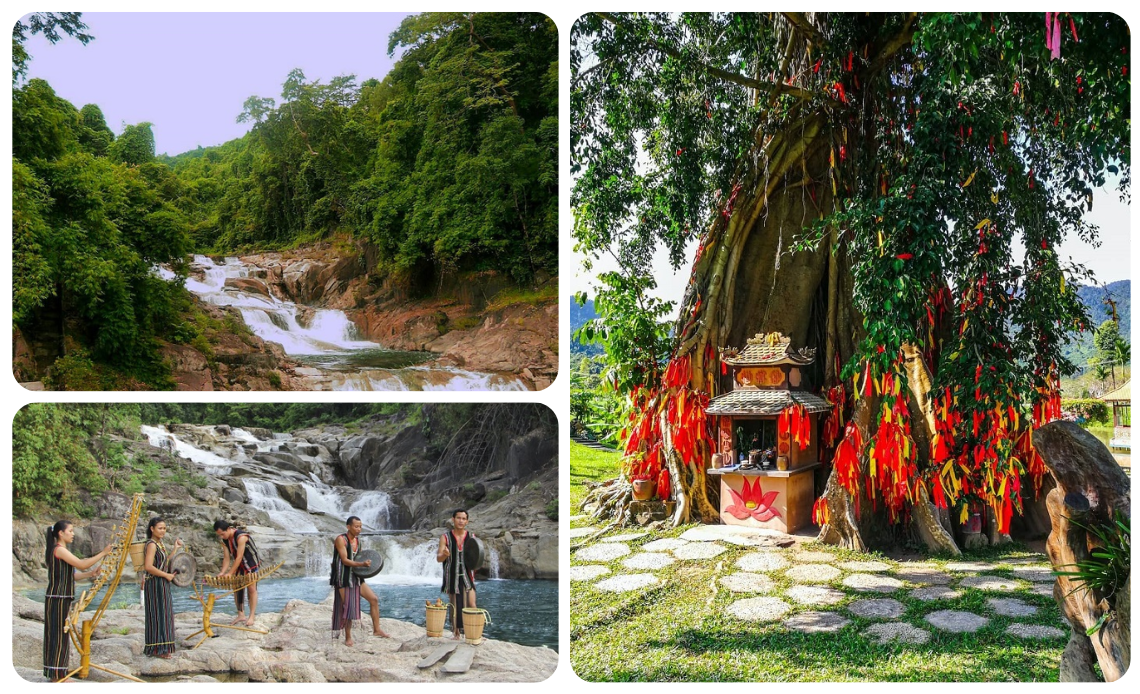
x: 190, y: 73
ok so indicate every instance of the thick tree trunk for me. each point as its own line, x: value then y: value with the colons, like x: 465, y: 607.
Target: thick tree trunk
x: 1091, y: 490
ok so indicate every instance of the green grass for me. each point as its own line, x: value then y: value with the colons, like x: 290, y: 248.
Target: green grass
x: 519, y: 295
x: 680, y: 630
x: 589, y: 465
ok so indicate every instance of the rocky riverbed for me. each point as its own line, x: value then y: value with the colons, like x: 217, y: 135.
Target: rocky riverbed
x: 298, y: 648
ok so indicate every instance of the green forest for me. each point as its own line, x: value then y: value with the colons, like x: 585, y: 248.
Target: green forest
x: 447, y: 164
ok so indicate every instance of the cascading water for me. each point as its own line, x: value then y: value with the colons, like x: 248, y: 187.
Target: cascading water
x: 263, y: 495
x: 493, y: 562
x: 160, y: 438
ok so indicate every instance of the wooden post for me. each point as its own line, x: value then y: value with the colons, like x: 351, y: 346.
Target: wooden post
x: 85, y: 651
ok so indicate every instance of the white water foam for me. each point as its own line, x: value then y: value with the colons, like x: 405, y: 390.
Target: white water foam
x: 160, y: 438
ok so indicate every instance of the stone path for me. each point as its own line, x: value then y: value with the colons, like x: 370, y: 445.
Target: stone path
x: 815, y: 591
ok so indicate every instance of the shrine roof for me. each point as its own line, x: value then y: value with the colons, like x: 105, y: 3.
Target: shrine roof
x: 1121, y: 394
x: 770, y: 349
x: 765, y: 402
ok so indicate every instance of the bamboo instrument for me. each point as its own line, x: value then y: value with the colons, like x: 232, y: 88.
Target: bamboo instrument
x: 240, y: 581
x: 229, y: 585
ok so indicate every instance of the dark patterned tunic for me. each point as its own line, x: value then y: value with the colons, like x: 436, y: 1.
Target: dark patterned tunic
x: 57, y: 603
x: 457, y: 578
x: 247, y: 563
x: 158, y: 608
x: 346, y: 610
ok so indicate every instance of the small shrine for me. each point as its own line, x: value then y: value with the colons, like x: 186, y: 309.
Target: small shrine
x: 767, y: 436
x: 1121, y: 401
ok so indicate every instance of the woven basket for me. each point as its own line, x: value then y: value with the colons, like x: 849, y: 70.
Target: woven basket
x: 474, y: 619
x: 436, y: 617
x: 137, y: 554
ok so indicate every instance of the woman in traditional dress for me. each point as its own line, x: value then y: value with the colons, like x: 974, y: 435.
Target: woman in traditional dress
x: 158, y: 604
x: 63, y: 568
x: 458, y: 580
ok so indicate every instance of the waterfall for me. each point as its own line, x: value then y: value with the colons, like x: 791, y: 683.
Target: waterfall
x: 159, y: 438
x: 318, y: 556
x: 373, y: 509
x: 493, y: 562
x: 415, y: 564
x: 263, y: 495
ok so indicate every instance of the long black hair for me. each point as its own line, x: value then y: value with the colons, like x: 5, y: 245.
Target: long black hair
x: 52, y: 536
x: 153, y: 522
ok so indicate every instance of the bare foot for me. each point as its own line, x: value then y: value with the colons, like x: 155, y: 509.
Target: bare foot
x: 381, y: 633
x: 348, y: 642
x: 457, y: 637
x: 240, y: 619
x: 250, y: 623
x: 166, y: 656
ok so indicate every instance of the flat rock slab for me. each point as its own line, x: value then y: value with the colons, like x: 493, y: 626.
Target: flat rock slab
x: 872, y: 583
x: 648, y: 560
x: 588, y: 572
x: 604, y: 551
x: 437, y: 655
x: 762, y: 562
x: 460, y: 661
x: 815, y: 557
x: 1037, y: 574
x: 759, y: 609
x: 877, y: 608
x: 902, y: 632
x: 956, y: 621
x: 993, y: 583
x: 666, y: 544
x: 694, y: 551
x: 968, y: 566
x: 816, y: 622
x: 624, y: 537
x: 1034, y: 631
x: 708, y: 533
x: 815, y: 595
x: 865, y: 566
x: 813, y: 573
x: 1011, y: 607
x: 1045, y: 589
x: 581, y: 532
x: 744, y: 582
x: 1031, y: 559
x: 623, y: 583
x: 932, y: 593
x: 923, y: 576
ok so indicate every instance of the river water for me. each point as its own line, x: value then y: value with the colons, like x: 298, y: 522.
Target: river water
x: 328, y: 342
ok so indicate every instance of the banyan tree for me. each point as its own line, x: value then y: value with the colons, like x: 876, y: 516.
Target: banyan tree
x: 889, y: 190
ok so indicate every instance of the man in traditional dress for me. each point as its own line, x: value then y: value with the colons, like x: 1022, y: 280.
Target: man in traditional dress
x: 240, y: 558
x: 458, y: 579
x: 348, y: 588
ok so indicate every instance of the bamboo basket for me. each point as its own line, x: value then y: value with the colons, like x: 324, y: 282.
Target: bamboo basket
x: 436, y: 618
x: 137, y: 555
x: 474, y: 619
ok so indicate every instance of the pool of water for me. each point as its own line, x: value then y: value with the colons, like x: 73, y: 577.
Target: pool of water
x: 524, y: 612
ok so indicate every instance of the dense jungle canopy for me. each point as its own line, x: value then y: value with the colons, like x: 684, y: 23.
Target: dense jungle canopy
x: 889, y: 189
x: 447, y: 164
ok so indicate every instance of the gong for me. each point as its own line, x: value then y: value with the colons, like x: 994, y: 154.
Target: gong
x: 473, y: 553
x: 184, y: 566
x: 368, y: 571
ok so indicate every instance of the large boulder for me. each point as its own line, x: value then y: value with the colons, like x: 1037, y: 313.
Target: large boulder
x: 294, y: 494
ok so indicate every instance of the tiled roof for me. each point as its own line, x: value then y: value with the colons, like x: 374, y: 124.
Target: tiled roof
x: 767, y: 350
x: 1123, y: 393
x: 765, y: 402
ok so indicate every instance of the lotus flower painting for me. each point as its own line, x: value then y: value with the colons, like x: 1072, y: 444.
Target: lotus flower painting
x: 754, y: 502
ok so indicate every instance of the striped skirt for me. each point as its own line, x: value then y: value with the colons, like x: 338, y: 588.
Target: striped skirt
x: 346, y: 611
x: 57, y: 644
x: 158, y: 608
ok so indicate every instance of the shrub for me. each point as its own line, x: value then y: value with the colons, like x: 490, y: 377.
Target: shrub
x: 552, y: 509
x: 1089, y: 409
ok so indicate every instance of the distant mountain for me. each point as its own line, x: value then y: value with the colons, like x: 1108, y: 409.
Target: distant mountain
x: 578, y: 317
x: 1099, y: 311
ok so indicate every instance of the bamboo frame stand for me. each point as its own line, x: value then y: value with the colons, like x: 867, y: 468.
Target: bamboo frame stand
x: 111, y: 571
x: 231, y: 584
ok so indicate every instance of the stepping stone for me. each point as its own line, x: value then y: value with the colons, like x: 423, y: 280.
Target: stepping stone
x: 1011, y: 607
x: 580, y: 516
x: 814, y: 595
x: 922, y: 576
x: 437, y: 655
x: 603, y: 551
x: 759, y: 609
x: 623, y: 583
x: 957, y: 621
x: 813, y: 573
x: 749, y: 541
x: 816, y: 622
x: 815, y: 556
x: 1037, y: 574
x: 744, y: 582
x: 872, y: 583
x: 932, y: 593
x: 1032, y: 559
x: 961, y: 566
x: 865, y: 566
x: 623, y: 538
x: 902, y: 632
x: 985, y: 582
x: 588, y: 572
x: 664, y: 545
x: 762, y: 561
x: 1045, y: 589
x: 1034, y: 631
x: 648, y: 560
x: 460, y: 661
x: 709, y: 533
x: 581, y: 532
x: 877, y: 608
x: 698, y: 551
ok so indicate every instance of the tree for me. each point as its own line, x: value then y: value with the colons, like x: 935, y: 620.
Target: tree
x: 50, y: 24
x: 857, y: 182
x: 135, y: 146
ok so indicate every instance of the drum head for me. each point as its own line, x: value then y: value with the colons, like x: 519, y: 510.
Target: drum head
x: 473, y: 553
x: 368, y: 571
x: 186, y: 567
